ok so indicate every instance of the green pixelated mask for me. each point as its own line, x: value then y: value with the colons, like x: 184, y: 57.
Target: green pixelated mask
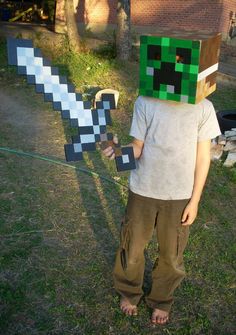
x: 178, y: 69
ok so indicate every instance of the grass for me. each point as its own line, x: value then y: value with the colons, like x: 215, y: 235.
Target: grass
x: 59, y: 228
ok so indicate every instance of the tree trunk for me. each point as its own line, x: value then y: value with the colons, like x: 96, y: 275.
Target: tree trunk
x: 71, y: 24
x: 123, y: 36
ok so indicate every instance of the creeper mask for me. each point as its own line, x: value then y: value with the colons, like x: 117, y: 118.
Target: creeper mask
x: 179, y: 69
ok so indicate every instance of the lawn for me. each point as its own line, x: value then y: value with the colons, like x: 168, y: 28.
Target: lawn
x: 59, y: 224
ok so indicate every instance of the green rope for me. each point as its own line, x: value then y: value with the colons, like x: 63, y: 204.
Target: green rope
x: 57, y: 161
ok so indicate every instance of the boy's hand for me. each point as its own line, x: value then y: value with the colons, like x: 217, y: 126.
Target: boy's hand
x: 190, y: 213
x: 109, y: 151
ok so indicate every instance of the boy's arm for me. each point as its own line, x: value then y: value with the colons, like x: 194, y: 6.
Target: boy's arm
x: 136, y: 144
x: 201, y: 170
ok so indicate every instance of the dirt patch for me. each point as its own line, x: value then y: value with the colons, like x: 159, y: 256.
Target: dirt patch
x: 30, y: 123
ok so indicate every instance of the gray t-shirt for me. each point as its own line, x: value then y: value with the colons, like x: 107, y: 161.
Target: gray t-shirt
x: 170, y: 131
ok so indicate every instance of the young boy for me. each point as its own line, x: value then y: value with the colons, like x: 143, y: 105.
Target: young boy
x: 171, y: 143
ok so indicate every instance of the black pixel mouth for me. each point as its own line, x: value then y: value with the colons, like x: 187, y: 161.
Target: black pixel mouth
x: 168, y: 76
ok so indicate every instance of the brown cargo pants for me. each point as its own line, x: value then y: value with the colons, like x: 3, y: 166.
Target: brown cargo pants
x: 142, y: 215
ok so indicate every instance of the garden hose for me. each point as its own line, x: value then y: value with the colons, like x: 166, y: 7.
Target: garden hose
x: 57, y: 161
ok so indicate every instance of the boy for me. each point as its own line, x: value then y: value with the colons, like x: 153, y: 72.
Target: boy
x: 171, y: 143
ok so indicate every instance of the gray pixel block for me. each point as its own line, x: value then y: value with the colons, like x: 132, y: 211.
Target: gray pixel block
x: 125, y: 159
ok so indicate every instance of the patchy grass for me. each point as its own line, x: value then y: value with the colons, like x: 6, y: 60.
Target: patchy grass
x: 59, y: 227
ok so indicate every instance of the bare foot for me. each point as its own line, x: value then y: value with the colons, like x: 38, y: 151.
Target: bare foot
x: 159, y: 317
x: 127, y: 308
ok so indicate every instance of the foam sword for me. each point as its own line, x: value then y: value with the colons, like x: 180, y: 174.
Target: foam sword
x: 91, y: 122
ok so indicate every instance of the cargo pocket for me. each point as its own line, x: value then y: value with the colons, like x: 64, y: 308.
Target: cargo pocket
x: 182, y: 240
x: 124, y: 242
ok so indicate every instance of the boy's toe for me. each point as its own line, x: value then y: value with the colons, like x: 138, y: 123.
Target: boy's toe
x: 159, y: 317
x: 128, y: 308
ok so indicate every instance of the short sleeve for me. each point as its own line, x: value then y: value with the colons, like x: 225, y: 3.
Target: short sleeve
x: 208, y: 124
x: 139, y: 125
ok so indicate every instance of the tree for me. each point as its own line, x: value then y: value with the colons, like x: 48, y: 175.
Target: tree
x: 123, y: 36
x: 71, y: 24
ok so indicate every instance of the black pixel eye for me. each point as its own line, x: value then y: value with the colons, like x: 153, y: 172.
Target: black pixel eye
x: 154, y: 52
x: 183, y: 55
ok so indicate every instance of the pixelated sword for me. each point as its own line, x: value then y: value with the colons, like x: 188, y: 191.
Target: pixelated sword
x: 90, y: 122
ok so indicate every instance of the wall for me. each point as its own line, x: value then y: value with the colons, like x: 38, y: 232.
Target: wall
x: 191, y: 14
x: 99, y: 16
